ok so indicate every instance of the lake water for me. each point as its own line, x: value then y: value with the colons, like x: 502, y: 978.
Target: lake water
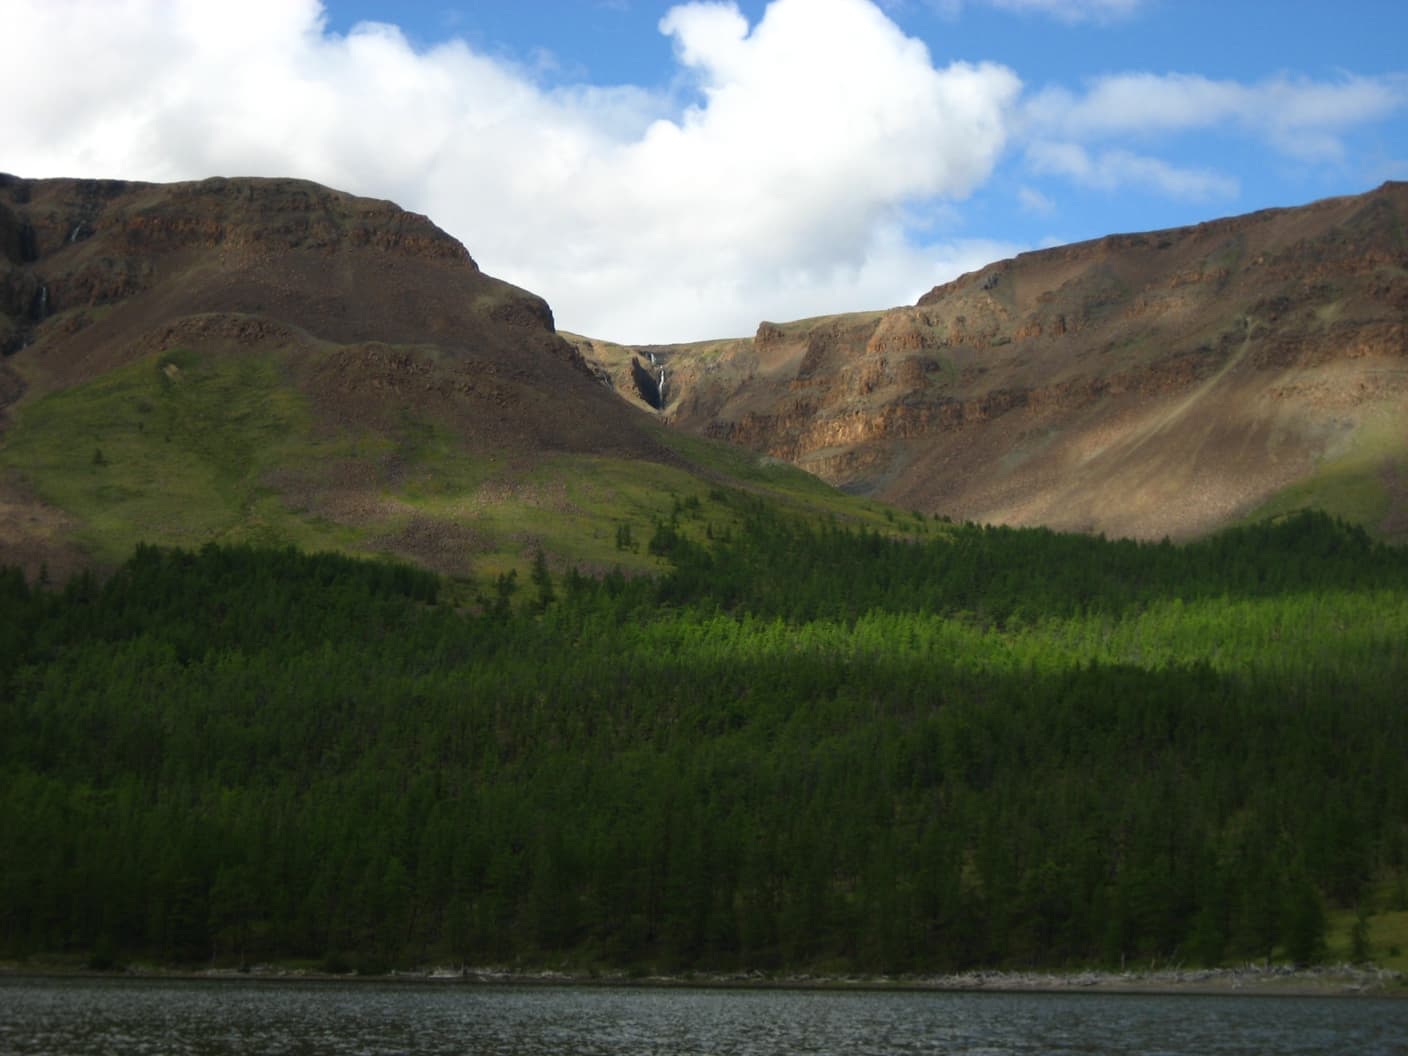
x: 81, y: 1016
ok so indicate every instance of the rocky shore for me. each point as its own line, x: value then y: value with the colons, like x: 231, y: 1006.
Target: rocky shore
x: 1248, y: 979
x: 1324, y: 980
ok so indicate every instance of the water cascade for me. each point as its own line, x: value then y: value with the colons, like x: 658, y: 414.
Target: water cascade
x: 646, y: 384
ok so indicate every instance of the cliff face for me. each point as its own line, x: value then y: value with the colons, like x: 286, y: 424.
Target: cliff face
x: 377, y: 324
x: 342, y: 268
x: 1162, y: 383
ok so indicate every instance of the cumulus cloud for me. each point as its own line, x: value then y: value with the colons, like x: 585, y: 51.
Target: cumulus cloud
x: 778, y: 183
x: 797, y: 164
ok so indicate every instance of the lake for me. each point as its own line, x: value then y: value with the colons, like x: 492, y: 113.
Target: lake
x: 218, y: 1017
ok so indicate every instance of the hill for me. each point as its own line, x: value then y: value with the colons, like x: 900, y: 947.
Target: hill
x: 272, y: 361
x: 1141, y: 385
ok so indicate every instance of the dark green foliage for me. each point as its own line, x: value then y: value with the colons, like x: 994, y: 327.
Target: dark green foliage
x: 800, y: 748
x: 542, y: 581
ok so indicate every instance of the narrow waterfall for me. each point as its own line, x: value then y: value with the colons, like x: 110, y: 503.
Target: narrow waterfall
x: 646, y: 384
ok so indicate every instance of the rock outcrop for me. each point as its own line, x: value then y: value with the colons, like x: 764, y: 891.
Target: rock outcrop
x: 1148, y: 384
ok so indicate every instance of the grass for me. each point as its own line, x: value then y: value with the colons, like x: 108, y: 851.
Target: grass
x: 567, y: 507
x: 1388, y: 927
x: 572, y: 506
x: 184, y: 448
x: 437, y: 466
x: 172, y: 449
x: 775, y: 479
x: 1350, y: 483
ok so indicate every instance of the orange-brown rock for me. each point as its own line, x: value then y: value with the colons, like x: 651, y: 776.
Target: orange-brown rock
x: 1145, y: 384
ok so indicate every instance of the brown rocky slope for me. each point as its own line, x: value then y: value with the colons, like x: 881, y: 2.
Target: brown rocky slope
x: 1141, y: 385
x: 402, y: 388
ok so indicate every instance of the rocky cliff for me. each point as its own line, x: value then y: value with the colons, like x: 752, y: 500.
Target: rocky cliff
x: 1149, y: 384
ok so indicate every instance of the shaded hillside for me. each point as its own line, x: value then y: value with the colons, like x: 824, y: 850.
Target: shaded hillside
x: 1143, y: 385
x: 270, y: 360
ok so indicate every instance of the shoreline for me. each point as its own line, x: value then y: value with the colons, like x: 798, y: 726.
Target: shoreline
x: 1341, y: 980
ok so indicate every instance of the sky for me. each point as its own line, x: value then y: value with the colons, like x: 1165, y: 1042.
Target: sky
x: 666, y: 172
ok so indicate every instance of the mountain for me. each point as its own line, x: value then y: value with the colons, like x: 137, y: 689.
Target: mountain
x: 269, y: 360
x: 1140, y: 385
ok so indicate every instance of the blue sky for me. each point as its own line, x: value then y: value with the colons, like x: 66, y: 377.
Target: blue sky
x: 667, y: 172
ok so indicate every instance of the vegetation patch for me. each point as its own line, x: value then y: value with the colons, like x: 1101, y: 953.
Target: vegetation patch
x: 172, y: 449
x: 1351, y: 483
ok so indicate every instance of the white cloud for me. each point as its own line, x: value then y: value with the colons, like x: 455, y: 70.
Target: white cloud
x: 948, y: 260
x: 795, y: 167
x: 782, y: 189
x: 1071, y: 11
x: 1297, y: 116
x: 1033, y: 201
x: 1116, y: 169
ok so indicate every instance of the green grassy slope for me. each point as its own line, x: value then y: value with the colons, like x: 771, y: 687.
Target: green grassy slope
x: 1363, y: 480
x: 184, y: 448
x: 174, y: 449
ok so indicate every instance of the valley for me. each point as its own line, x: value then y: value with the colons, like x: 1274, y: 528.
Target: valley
x: 353, y: 619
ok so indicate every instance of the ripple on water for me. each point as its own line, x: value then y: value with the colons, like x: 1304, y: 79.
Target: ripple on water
x: 224, y: 1018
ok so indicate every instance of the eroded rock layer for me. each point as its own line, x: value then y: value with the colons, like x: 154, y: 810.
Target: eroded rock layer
x: 1150, y: 384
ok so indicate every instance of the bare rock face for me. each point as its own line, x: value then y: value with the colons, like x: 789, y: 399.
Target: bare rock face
x: 91, y: 270
x: 1148, y: 384
x: 342, y: 267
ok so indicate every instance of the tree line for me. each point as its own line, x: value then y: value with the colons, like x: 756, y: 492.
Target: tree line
x: 804, y: 746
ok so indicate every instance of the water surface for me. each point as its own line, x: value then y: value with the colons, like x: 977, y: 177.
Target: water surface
x: 223, y: 1018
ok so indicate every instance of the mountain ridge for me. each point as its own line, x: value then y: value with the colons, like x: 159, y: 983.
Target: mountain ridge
x: 1261, y: 358
x: 264, y: 359
x: 271, y: 360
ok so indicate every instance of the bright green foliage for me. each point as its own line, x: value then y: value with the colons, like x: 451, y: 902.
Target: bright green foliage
x: 801, y: 747
x: 171, y: 448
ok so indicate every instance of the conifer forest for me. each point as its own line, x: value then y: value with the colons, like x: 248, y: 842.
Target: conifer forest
x: 799, y: 746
